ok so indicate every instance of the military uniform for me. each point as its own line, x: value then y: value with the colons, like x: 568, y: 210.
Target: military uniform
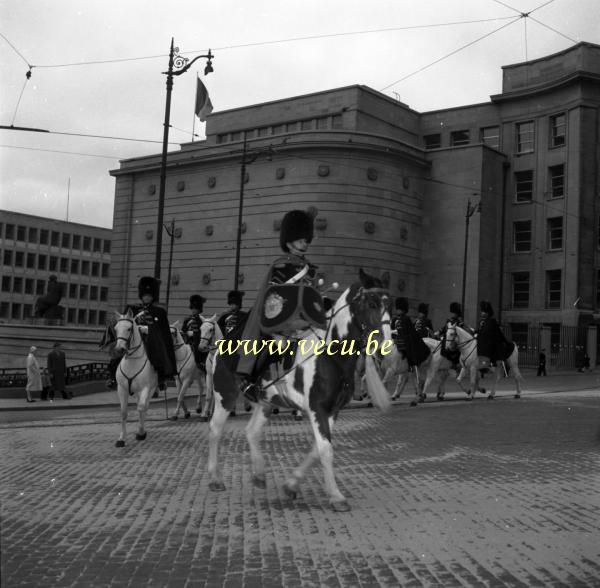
x: 408, y: 342
x: 423, y: 324
x: 491, y: 342
x: 456, y: 320
x: 234, y: 319
x: 191, y: 329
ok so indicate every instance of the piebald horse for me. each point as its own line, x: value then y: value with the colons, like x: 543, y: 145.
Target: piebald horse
x: 187, y: 373
x: 457, y: 337
x: 318, y: 384
x: 135, y: 375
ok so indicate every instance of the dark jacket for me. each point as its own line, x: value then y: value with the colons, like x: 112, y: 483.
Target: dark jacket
x: 231, y: 321
x: 491, y: 341
x: 57, y: 369
x: 424, y: 327
x: 408, y: 340
x: 191, y: 335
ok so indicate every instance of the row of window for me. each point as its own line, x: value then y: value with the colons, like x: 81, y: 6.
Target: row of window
x: 524, y: 135
x: 53, y: 263
x: 524, y: 183
x: 522, y: 235
x: 75, y: 316
x: 20, y: 285
x: 33, y: 235
x: 311, y: 124
x: 521, y: 286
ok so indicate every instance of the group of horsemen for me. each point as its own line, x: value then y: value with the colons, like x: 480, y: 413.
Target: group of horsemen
x: 286, y: 301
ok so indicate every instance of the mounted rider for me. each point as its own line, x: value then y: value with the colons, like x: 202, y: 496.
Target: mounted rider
x: 408, y: 342
x: 456, y: 320
x: 286, y: 302
x: 423, y: 324
x: 158, y: 340
x: 190, y: 329
x: 234, y: 318
x: 492, y: 345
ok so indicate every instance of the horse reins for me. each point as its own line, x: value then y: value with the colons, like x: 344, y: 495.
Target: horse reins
x: 129, y: 353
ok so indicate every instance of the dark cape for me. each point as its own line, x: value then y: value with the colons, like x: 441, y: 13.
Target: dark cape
x: 408, y: 340
x: 491, y: 341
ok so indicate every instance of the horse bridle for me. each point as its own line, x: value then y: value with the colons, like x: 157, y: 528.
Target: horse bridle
x: 128, y: 339
x: 459, y: 346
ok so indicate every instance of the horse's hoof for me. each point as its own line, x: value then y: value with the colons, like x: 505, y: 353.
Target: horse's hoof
x: 413, y: 403
x: 187, y: 415
x: 120, y: 443
x: 440, y: 398
x: 482, y: 390
x: 259, y: 482
x: 369, y: 405
x: 140, y: 436
x: 216, y: 486
x: 298, y: 417
x: 174, y: 417
x: 490, y: 397
x: 290, y: 492
x: 340, y: 506
x: 517, y: 396
x: 199, y: 411
x: 469, y: 398
x: 203, y: 419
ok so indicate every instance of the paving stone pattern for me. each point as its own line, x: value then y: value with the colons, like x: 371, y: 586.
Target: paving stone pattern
x: 502, y: 493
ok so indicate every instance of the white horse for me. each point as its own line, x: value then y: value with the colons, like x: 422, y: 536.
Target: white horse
x: 187, y: 373
x: 318, y: 384
x: 210, y: 332
x: 457, y: 337
x: 135, y: 374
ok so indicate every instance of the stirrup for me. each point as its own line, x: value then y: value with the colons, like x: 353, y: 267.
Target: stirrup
x: 251, y: 391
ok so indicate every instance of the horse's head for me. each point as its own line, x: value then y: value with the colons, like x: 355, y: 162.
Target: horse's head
x: 176, y: 334
x: 208, y: 330
x: 125, y: 331
x: 451, y: 336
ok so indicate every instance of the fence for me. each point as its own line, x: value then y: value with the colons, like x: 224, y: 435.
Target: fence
x: 17, y: 377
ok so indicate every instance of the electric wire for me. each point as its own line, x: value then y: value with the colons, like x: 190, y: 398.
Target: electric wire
x: 87, y: 135
x: 19, y: 101
x: 61, y: 152
x: 16, y: 50
x: 553, y: 29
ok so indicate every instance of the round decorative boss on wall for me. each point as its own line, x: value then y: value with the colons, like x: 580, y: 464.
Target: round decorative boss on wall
x: 246, y: 177
x: 372, y: 174
x: 277, y: 225
x: 401, y: 285
x: 312, y: 211
x: 406, y: 183
x: 212, y: 181
x: 369, y: 227
x: 240, y: 278
x: 152, y: 189
x: 175, y: 279
x: 320, y: 224
x: 149, y: 234
x: 180, y: 186
x: 403, y: 233
x: 243, y: 228
x: 280, y: 173
x: 323, y: 170
x: 209, y: 230
x: 206, y: 278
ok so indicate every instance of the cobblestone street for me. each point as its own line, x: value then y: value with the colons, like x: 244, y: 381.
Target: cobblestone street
x: 502, y: 493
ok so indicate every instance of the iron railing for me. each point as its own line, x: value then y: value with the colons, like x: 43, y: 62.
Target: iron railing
x: 17, y: 377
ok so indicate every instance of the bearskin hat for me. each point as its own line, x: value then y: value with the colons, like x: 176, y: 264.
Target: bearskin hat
x: 235, y: 297
x: 295, y: 225
x: 455, y: 308
x: 402, y: 304
x: 148, y: 285
x: 486, y: 307
x: 197, y: 302
x: 423, y: 308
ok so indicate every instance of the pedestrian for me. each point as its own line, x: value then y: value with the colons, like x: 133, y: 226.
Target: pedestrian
x: 46, y: 385
x: 57, y: 368
x: 542, y: 363
x: 579, y: 358
x: 34, y: 377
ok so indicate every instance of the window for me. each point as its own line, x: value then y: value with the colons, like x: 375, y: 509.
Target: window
x: 263, y: 131
x: 1, y: 227
x: 521, y: 236
x: 433, y: 141
x: 4, y: 309
x: 81, y: 319
x: 106, y: 246
x: 83, y: 292
x: 306, y: 125
x: 92, y: 317
x: 491, y: 136
x: 8, y: 257
x: 557, y: 181
x: 519, y: 333
x: 95, y: 269
x: 71, y: 315
x: 97, y: 245
x: 19, y: 258
x: 87, y: 243
x: 76, y: 241
x: 458, y: 138
x: 105, y: 270
x: 520, y: 290
x: 524, y: 186
x: 74, y: 266
x: 54, y: 238
x: 53, y: 264
x: 66, y: 240
x: 16, y: 311
x: 40, y: 287
x: 6, y: 283
x: 27, y: 311
x: 33, y: 235
x: 17, y: 285
x: 44, y: 236
x: 102, y: 317
x: 222, y: 138
x: 9, y: 233
x: 42, y: 260
x: 103, y: 294
x: 93, y: 292
x: 31, y: 260
x: 322, y: 122
x: 336, y: 121
x: 85, y: 268
x: 554, y: 232
x: 29, y: 285
x: 598, y: 288
x: 64, y: 264
x: 73, y: 290
x: 21, y: 233
x: 553, y: 288
x: 558, y: 128
x: 525, y: 137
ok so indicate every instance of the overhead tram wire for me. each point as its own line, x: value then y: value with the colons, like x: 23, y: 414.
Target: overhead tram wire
x: 60, y: 152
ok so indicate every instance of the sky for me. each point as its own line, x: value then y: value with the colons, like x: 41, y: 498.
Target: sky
x: 428, y: 54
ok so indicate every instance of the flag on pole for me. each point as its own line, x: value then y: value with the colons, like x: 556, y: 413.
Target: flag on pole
x: 203, y: 104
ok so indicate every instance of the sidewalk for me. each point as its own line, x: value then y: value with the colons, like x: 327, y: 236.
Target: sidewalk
x: 533, y: 385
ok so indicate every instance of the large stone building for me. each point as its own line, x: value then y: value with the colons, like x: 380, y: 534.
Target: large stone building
x: 391, y: 187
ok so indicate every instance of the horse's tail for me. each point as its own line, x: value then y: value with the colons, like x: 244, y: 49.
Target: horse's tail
x: 377, y: 391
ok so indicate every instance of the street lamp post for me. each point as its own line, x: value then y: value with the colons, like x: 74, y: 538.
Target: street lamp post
x: 172, y: 232
x: 177, y: 66
x: 471, y: 210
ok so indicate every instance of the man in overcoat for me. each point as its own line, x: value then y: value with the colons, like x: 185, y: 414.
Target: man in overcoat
x: 57, y: 369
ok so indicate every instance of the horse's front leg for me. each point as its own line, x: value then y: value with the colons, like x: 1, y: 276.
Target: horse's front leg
x: 217, y: 423
x: 253, y: 433
x: 142, y: 407
x: 182, y: 384
x: 123, y: 400
x: 201, y: 380
x: 293, y: 482
x: 400, y: 385
x: 495, y: 372
x: 322, y: 427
